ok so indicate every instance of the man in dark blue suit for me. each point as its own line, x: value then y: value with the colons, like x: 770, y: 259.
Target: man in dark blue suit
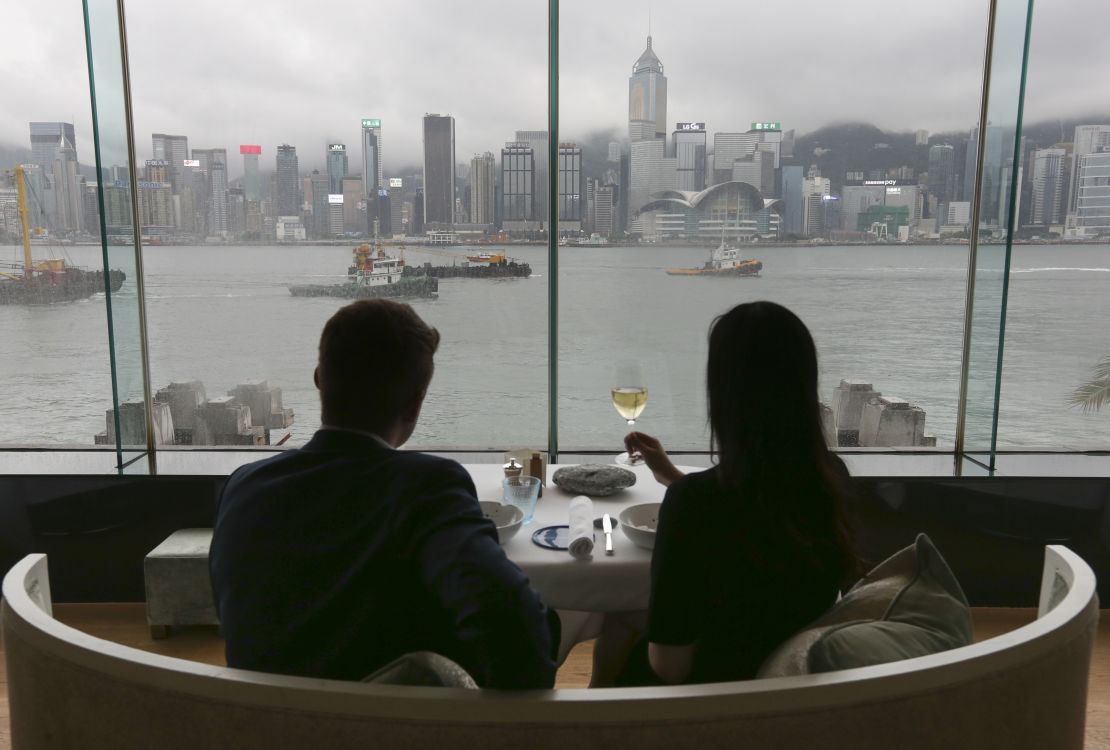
x: 333, y: 559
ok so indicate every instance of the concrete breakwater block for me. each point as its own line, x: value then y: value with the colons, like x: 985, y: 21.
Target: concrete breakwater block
x: 889, y: 422
x: 178, y: 590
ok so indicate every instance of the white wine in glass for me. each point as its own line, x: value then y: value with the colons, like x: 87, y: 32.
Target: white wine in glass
x: 629, y: 402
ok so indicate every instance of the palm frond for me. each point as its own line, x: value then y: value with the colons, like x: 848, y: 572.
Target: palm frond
x: 1090, y: 396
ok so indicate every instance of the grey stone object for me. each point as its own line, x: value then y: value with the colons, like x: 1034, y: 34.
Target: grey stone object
x: 849, y: 398
x: 178, y: 590
x: 184, y: 400
x: 889, y: 422
x: 132, y: 419
x: 594, y: 480
x: 224, y: 421
x: 265, y: 404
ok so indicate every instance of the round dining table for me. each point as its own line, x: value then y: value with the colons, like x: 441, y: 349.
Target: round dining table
x: 620, y: 582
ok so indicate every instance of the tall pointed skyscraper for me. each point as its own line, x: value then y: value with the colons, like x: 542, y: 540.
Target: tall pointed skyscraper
x: 647, y: 98
x: 650, y: 170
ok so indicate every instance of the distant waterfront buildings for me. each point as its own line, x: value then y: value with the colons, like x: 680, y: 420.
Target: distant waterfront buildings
x: 439, y: 170
x: 287, y: 195
x: 336, y: 166
x: 1088, y: 139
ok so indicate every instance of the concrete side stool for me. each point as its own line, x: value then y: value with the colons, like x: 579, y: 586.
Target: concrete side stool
x: 178, y: 590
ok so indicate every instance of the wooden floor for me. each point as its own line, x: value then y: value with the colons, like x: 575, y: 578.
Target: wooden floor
x: 126, y: 624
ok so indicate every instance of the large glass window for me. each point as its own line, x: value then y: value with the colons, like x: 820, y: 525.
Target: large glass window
x: 283, y: 144
x: 721, y: 167
x: 286, y: 162
x: 1059, y: 297
x: 54, y: 365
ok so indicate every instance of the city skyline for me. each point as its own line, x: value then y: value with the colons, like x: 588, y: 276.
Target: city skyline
x: 782, y: 82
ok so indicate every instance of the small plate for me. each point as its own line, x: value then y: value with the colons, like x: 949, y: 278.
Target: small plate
x: 612, y: 518
x: 553, y: 537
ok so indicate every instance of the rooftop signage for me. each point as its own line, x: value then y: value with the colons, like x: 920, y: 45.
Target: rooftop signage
x: 766, y: 126
x: 689, y: 126
x: 336, y: 147
x: 250, y: 149
x: 396, y: 182
x: 335, y: 197
x: 191, y: 163
x: 371, y: 123
x: 157, y: 163
x: 880, y: 182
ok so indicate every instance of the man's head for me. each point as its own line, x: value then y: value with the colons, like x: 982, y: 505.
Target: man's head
x: 374, y: 368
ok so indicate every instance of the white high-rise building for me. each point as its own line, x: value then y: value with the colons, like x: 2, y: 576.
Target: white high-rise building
x: 652, y: 171
x: 1092, y: 203
x: 1048, y: 186
x: 1089, y: 139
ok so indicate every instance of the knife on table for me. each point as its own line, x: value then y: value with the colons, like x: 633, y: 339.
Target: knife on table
x: 607, y: 527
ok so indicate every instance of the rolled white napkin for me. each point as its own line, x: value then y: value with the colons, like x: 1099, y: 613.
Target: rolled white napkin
x: 581, y: 535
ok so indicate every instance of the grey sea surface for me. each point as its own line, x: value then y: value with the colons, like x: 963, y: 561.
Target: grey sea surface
x: 890, y: 315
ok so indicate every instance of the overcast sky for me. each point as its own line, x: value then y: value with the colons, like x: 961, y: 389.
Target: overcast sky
x: 228, y: 72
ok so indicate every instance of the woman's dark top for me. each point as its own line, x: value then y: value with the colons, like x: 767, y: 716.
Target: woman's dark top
x: 735, y: 591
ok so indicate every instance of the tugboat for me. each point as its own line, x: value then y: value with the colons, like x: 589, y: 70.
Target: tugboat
x: 49, y: 280
x: 724, y: 261
x: 373, y: 273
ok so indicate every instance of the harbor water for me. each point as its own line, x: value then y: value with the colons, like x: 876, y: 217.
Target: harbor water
x: 889, y: 315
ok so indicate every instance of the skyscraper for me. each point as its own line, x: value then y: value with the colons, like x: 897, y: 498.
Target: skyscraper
x: 1092, y: 202
x: 45, y: 140
x: 1088, y: 139
x: 439, y: 169
x: 288, y: 200
x: 647, y: 98
x: 175, y: 150
x: 538, y: 140
x: 213, y: 163
x: 727, y: 148
x: 518, y: 175
x: 372, y: 174
x: 337, y: 167
x: 942, y: 173
x: 604, y: 210
x: 483, y: 188
x: 647, y: 129
x: 570, y: 187
x: 793, y: 196
x: 689, y: 152
x: 252, y: 183
x: 1049, y: 169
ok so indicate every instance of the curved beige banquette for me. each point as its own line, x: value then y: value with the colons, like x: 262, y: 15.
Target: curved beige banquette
x: 1024, y: 689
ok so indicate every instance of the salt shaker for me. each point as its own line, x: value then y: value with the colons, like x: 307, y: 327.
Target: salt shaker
x: 513, y: 468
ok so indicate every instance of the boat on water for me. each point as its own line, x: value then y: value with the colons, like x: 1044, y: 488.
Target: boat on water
x: 51, y: 280
x: 373, y: 273
x: 594, y: 240
x: 724, y: 261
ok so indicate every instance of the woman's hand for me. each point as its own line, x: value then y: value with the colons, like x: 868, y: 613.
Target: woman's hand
x: 654, y: 456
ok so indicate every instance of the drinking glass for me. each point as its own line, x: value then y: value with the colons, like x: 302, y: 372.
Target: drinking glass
x: 629, y: 397
x: 522, y: 491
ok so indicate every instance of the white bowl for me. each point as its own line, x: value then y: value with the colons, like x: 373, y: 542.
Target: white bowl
x: 507, y: 518
x: 638, y: 522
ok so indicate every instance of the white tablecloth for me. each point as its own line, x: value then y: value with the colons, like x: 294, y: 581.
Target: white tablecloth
x: 605, y: 583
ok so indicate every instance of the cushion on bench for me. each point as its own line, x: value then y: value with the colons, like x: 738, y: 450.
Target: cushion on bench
x: 909, y: 605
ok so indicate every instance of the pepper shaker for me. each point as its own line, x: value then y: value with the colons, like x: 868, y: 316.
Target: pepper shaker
x: 513, y: 469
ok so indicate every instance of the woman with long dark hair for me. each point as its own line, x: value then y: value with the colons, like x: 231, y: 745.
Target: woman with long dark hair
x: 751, y: 550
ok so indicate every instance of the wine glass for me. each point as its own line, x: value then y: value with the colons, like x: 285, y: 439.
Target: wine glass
x: 629, y: 401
